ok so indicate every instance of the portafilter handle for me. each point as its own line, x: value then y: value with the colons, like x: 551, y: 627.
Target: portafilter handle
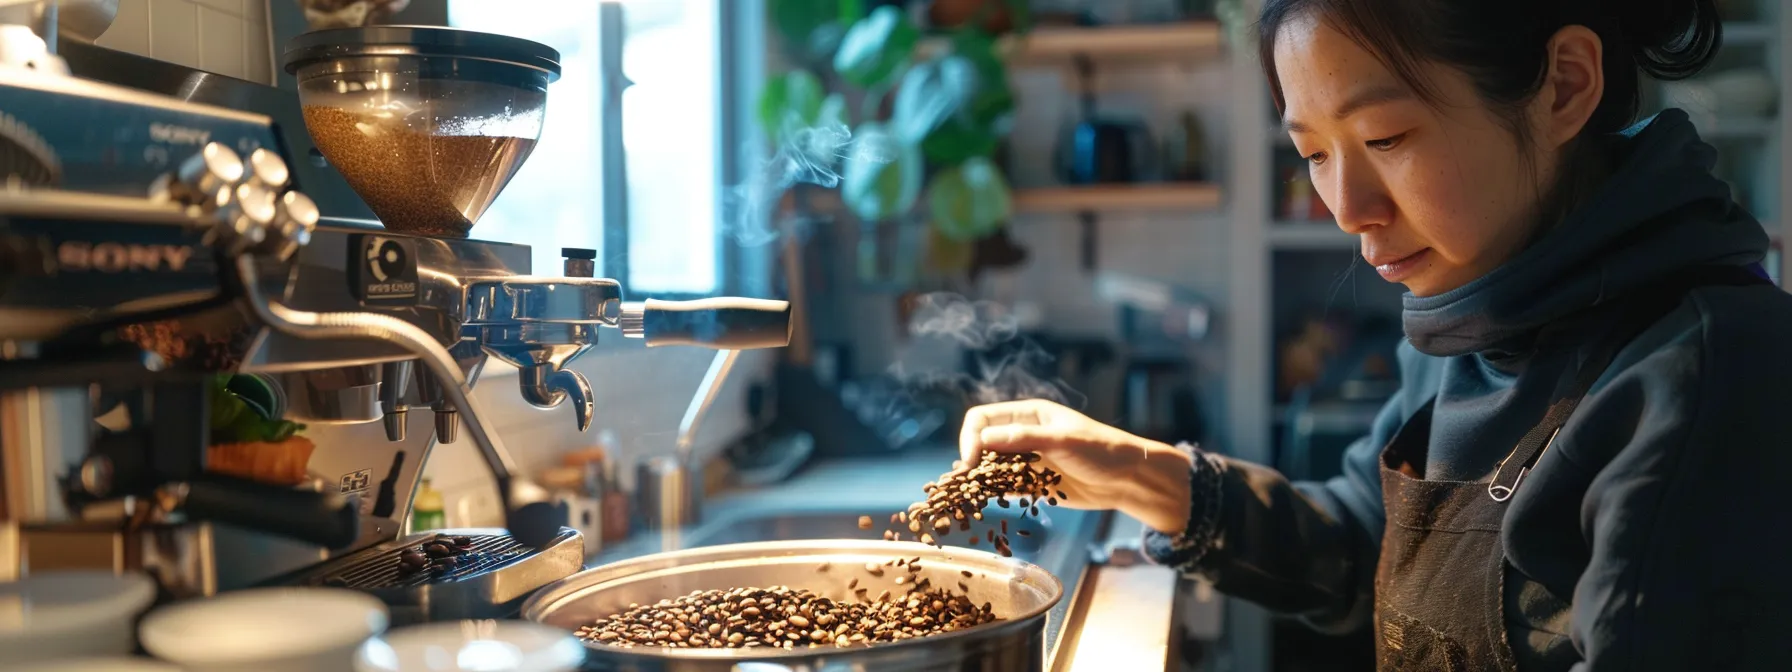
x: 722, y: 323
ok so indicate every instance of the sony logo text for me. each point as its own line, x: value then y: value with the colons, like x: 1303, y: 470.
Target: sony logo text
x: 121, y: 257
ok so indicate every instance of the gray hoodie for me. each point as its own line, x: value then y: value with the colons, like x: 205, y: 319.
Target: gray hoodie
x: 1654, y: 534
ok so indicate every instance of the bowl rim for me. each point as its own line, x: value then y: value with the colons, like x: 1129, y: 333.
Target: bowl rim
x: 418, y: 41
x: 551, y: 597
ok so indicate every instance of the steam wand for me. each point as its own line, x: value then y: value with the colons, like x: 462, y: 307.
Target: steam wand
x: 531, y: 516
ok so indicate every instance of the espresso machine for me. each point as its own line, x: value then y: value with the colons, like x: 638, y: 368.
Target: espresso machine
x: 185, y: 257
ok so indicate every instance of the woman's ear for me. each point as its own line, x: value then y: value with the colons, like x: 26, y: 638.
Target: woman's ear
x: 1573, y: 86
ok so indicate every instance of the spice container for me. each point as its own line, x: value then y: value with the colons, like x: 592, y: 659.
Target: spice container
x: 582, y: 496
x: 614, y: 500
x: 486, y: 646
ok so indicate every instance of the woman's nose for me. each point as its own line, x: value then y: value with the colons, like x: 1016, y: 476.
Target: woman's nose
x: 1357, y: 198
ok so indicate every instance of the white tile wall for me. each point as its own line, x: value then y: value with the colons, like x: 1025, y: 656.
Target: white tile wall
x: 228, y: 37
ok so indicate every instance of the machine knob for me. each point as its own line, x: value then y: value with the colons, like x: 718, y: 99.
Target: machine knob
x: 214, y: 168
x: 295, y: 217
x: 580, y: 262
x: 204, y: 179
x: 269, y: 169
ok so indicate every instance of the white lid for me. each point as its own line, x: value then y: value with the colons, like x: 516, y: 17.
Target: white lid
x: 472, y: 646
x: 261, y: 624
x: 101, y: 665
x: 68, y: 600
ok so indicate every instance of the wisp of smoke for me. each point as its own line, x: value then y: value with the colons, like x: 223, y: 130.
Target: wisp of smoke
x: 1007, y: 366
x: 808, y: 155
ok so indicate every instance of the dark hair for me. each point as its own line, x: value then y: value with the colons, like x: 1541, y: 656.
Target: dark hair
x: 1502, y: 44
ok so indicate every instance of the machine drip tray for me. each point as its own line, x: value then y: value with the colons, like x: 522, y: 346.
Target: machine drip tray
x: 376, y: 570
x: 492, y: 575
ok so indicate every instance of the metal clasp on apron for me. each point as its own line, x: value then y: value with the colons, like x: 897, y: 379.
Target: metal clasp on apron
x: 1501, y: 493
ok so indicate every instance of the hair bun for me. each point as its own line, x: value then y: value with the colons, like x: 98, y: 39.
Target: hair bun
x: 1670, y: 39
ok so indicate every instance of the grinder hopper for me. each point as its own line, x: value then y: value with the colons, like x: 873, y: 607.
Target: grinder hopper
x: 426, y: 124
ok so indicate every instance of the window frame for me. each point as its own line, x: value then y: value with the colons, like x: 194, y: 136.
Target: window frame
x: 740, y: 57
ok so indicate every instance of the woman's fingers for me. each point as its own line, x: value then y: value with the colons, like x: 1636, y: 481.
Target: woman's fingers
x: 1020, y: 438
x: 1007, y: 413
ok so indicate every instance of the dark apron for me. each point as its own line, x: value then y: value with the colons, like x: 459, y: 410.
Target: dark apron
x: 1439, y: 586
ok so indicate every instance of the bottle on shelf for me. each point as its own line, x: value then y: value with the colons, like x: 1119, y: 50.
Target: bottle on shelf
x: 427, y: 509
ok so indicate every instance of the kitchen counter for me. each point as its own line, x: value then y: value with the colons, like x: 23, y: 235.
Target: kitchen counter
x: 826, y: 499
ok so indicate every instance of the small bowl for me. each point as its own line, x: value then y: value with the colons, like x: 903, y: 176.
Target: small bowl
x: 120, y: 664
x: 485, y: 646
x: 57, y: 615
x: 265, y: 630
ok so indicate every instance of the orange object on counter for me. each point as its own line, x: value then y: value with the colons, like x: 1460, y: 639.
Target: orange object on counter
x: 274, y: 463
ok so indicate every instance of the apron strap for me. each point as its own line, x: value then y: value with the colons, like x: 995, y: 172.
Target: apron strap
x: 1635, y: 312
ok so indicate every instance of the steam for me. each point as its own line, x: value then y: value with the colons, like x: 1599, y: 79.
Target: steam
x: 1005, y: 366
x: 808, y: 155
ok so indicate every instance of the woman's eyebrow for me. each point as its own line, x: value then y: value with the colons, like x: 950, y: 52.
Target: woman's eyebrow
x: 1368, y: 97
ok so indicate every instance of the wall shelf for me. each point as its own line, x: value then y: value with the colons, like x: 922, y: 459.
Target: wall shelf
x: 1118, y: 198
x: 1154, y: 41
x: 1309, y: 235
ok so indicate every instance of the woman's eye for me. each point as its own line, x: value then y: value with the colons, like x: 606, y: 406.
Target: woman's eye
x: 1315, y: 158
x: 1385, y: 144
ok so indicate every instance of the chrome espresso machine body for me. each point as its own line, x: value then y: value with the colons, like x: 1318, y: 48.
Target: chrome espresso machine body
x: 159, y: 239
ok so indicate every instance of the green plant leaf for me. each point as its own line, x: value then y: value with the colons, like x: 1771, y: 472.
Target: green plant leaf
x: 970, y: 200
x: 882, y: 177
x: 932, y: 93
x: 994, y: 99
x: 958, y: 140
x: 851, y: 10
x: 805, y: 26
x: 876, y: 46
x: 789, y: 102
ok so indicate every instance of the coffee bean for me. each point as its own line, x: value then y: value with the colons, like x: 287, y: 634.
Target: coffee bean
x: 864, y: 522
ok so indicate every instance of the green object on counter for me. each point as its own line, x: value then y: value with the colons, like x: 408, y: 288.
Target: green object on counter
x: 427, y: 509
x: 245, y: 409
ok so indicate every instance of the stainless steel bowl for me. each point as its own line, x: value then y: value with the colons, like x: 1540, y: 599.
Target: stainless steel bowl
x: 1019, y: 593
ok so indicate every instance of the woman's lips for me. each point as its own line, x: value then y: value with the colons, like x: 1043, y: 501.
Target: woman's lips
x: 1401, y: 268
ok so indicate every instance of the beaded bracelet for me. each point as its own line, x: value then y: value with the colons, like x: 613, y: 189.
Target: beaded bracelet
x: 1186, y: 550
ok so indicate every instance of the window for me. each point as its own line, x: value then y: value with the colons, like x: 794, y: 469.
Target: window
x: 672, y: 123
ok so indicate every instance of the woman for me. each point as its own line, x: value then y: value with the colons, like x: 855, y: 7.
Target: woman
x: 1583, y: 467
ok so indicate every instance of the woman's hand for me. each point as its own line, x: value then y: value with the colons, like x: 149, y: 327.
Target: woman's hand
x: 1103, y: 467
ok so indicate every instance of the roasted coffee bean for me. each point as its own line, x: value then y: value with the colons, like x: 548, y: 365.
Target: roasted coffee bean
x: 693, y: 621
x: 437, y: 551
x: 864, y: 522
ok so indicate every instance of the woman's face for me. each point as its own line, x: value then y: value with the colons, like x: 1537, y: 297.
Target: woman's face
x: 1438, y: 194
